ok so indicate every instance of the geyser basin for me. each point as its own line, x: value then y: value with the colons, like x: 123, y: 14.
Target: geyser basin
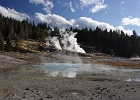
x: 72, y: 70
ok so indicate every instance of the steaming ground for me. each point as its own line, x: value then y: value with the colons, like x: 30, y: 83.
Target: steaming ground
x: 20, y: 81
x: 73, y: 70
x: 66, y: 41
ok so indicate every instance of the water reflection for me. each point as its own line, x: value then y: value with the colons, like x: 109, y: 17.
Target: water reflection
x: 72, y: 70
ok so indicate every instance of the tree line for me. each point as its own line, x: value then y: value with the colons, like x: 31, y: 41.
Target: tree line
x: 111, y: 42
x: 11, y: 29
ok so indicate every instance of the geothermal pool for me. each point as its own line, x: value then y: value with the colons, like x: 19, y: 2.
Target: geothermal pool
x: 72, y: 70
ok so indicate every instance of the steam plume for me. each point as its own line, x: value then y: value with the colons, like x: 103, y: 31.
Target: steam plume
x: 67, y: 41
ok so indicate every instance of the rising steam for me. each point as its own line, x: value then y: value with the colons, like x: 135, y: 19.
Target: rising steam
x: 67, y: 41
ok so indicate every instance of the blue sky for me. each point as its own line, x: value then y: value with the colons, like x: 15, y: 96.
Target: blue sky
x: 106, y: 14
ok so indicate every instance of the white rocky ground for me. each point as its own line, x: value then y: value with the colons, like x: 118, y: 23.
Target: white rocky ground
x: 18, y: 81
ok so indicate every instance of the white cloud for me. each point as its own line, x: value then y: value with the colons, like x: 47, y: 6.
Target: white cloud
x: 48, y: 5
x: 129, y: 32
x: 82, y: 22
x: 7, y: 12
x: 97, y: 5
x: 85, y: 3
x: 36, y: 1
x: 71, y: 7
x: 54, y: 20
x: 122, y: 3
x: 76, y: 4
x: 131, y: 21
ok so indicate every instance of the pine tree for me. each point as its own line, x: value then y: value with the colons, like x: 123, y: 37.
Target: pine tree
x: 1, y: 42
x: 8, y: 45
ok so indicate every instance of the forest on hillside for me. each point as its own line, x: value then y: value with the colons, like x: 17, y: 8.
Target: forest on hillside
x: 111, y: 42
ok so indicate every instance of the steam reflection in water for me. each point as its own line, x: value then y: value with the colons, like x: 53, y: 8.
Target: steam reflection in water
x: 72, y: 70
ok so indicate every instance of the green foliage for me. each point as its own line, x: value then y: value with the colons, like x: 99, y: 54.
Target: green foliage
x: 110, y: 42
x: 1, y: 42
x: 8, y: 45
x: 24, y: 30
x: 55, y: 32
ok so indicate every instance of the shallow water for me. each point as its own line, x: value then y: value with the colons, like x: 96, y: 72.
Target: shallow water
x: 72, y: 70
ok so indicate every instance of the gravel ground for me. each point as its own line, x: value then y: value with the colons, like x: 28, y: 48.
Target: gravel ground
x: 18, y: 81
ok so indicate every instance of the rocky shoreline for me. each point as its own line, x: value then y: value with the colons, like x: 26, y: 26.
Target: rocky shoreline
x: 19, y: 81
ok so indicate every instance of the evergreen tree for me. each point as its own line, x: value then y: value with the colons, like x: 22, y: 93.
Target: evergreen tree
x: 1, y: 42
x: 112, y: 42
x: 8, y: 45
